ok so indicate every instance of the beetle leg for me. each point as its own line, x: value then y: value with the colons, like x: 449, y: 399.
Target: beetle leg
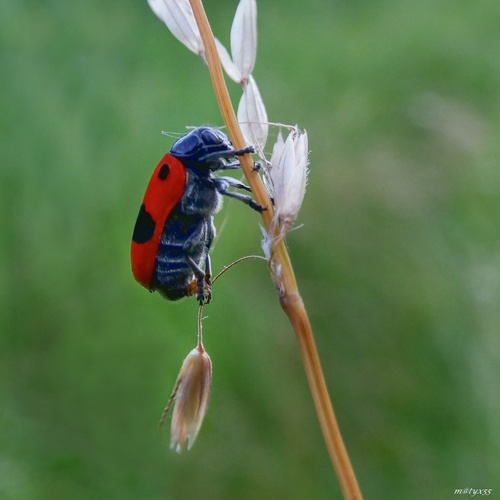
x: 231, y: 182
x: 222, y: 185
x: 241, y: 152
x: 204, y: 232
x: 248, y: 200
x: 203, y: 291
x: 208, y: 270
x: 197, y: 270
x: 218, y: 155
x: 207, y: 290
x: 232, y: 165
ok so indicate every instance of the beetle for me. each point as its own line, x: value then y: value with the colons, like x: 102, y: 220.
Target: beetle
x: 175, y: 229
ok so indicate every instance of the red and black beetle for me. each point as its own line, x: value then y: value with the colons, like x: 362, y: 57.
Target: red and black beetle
x: 174, y: 229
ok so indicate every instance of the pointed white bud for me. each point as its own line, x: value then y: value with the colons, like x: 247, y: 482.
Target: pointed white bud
x: 244, y: 37
x: 252, y: 115
x: 190, y: 397
x: 227, y: 63
x: 288, y: 174
x: 240, y: 64
x: 179, y: 18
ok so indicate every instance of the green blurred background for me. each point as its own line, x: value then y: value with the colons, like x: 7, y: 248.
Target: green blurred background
x: 398, y: 259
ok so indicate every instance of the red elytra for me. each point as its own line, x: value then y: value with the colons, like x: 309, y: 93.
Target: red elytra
x: 163, y: 193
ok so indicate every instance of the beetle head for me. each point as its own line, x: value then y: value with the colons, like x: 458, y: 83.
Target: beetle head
x: 203, y: 148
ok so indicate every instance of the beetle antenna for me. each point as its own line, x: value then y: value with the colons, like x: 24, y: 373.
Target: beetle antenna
x: 237, y: 261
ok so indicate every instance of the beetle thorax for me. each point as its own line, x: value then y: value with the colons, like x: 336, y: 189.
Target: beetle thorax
x: 200, y: 196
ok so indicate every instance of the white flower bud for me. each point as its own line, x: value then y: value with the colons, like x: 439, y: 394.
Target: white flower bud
x: 243, y: 43
x: 244, y: 37
x: 252, y: 115
x: 179, y: 18
x: 227, y: 63
x: 190, y: 397
x: 288, y: 175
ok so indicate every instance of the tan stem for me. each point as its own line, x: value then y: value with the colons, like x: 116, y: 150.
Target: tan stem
x: 290, y: 299
x: 294, y: 308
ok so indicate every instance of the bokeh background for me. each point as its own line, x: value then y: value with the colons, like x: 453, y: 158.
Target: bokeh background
x: 398, y: 258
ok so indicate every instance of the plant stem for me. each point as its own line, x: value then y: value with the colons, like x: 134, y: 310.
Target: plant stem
x: 290, y: 299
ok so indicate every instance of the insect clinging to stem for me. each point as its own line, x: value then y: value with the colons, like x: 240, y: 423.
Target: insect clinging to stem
x: 175, y: 229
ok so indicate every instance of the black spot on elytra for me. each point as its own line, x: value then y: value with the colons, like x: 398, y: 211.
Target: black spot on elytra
x: 163, y: 172
x: 144, y: 226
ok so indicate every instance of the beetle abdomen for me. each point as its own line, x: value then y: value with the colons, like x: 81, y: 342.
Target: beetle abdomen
x: 184, y: 237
